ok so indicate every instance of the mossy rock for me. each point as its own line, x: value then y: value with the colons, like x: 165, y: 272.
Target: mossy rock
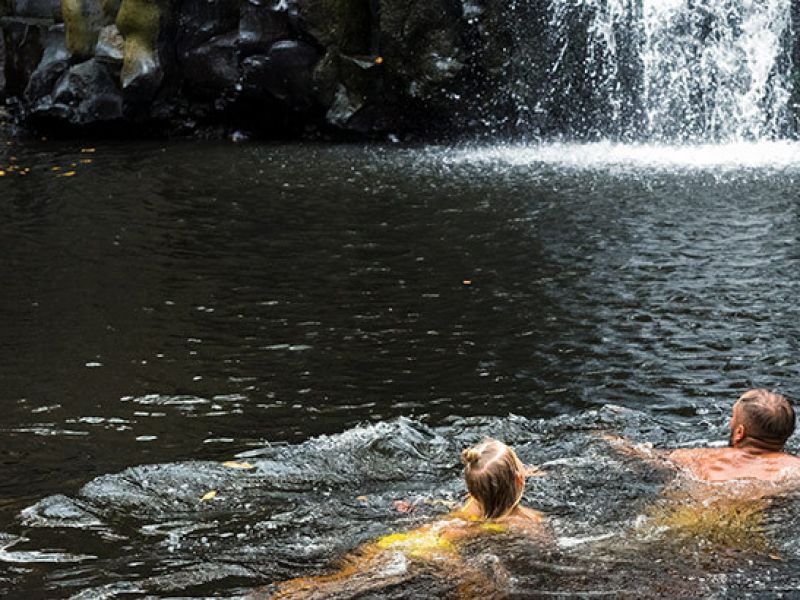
x: 83, y: 20
x: 142, y: 24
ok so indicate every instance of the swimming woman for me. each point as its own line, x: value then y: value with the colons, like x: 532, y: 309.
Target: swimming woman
x: 495, y: 480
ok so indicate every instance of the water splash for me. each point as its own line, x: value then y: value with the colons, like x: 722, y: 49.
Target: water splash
x: 770, y: 157
x: 716, y: 70
x: 661, y: 70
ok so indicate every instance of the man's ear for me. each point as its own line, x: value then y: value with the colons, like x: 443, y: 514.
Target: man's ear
x: 738, y: 434
x: 520, y: 479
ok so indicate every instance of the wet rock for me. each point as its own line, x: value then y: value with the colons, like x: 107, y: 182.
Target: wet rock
x: 86, y: 94
x: 110, y: 45
x: 37, y: 9
x: 346, y: 26
x: 422, y: 47
x: 145, y: 25
x: 199, y: 21
x: 261, y: 24
x: 55, y: 61
x: 84, y: 19
x: 213, y: 66
x: 347, y: 78
x: 24, y: 46
x: 2, y: 65
x: 285, y: 73
x: 354, y: 65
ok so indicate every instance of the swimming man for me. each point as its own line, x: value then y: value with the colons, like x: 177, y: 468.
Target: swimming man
x: 761, y: 423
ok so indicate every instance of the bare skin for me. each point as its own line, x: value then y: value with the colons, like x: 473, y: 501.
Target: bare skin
x: 746, y: 458
x: 521, y: 518
x: 726, y: 464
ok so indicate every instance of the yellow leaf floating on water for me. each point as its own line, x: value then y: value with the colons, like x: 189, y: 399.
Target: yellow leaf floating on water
x: 68, y: 174
x: 232, y: 464
x: 2, y: 173
x: 88, y: 150
x: 56, y: 168
x: 86, y: 161
x: 209, y: 496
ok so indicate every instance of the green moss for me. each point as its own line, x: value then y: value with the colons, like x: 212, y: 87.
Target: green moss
x: 83, y: 20
x: 139, y: 22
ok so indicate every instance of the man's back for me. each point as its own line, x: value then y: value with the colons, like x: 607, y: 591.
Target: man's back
x: 725, y: 464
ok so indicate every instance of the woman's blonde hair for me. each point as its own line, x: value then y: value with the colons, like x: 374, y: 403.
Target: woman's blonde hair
x: 491, y: 471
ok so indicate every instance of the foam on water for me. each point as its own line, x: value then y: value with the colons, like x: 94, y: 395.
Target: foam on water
x: 777, y: 155
x: 302, y: 506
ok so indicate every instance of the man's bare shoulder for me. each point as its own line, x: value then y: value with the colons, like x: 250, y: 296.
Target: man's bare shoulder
x: 788, y: 460
x: 682, y: 454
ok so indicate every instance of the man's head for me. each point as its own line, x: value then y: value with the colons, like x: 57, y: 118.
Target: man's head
x: 761, y: 419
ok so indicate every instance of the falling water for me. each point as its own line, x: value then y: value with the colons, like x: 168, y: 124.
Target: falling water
x: 656, y: 70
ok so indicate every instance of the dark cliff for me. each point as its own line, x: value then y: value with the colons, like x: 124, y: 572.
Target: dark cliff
x: 269, y: 67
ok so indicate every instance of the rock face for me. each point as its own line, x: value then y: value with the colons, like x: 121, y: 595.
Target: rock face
x: 268, y: 66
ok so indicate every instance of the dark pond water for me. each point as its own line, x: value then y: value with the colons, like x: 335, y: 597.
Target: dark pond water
x: 165, y: 308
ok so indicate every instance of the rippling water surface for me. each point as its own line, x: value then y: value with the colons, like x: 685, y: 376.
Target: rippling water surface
x: 175, y: 306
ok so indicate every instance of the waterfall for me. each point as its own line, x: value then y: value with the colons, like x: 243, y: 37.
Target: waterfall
x: 662, y: 70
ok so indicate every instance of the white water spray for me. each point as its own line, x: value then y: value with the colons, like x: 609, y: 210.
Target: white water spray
x: 661, y: 70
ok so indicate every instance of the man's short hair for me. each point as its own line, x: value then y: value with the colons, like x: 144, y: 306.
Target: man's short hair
x: 767, y: 415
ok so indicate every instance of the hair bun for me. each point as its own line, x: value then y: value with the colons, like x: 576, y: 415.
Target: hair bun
x: 470, y: 456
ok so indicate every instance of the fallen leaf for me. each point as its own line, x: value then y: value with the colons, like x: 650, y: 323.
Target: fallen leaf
x: 361, y: 498
x: 88, y: 150
x: 68, y: 174
x: 232, y: 464
x: 209, y: 496
x: 467, y: 282
x: 55, y: 168
x: 86, y: 161
x: 2, y: 173
x: 378, y: 60
x: 402, y: 506
x: 776, y: 557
